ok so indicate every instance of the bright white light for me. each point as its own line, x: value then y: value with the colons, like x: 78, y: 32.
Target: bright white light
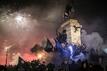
x: 19, y: 18
x: 71, y: 49
x: 40, y: 56
x: 21, y: 21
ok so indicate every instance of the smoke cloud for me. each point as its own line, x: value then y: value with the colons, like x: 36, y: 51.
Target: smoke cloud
x: 93, y: 41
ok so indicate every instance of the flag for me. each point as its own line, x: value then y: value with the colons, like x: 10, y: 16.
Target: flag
x: 36, y: 48
x: 21, y: 61
x: 49, y: 46
x: 69, y: 12
x: 66, y: 15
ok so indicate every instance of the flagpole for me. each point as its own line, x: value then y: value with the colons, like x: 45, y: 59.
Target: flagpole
x: 7, y: 50
x: 6, y: 58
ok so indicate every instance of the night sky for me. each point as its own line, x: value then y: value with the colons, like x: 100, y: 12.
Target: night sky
x: 41, y: 18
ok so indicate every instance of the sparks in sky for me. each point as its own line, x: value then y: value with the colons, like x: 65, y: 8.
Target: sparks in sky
x: 21, y: 21
x: 19, y: 18
x: 18, y: 21
x: 17, y: 27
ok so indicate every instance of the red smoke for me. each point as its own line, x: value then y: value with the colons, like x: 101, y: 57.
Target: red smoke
x: 29, y: 57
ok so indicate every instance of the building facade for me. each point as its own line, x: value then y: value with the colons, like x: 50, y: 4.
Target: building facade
x: 73, y: 30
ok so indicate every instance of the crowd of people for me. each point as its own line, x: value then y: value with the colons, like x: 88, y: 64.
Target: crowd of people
x: 65, y: 66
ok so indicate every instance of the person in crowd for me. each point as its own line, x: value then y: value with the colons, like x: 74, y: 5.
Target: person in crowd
x: 62, y: 37
x: 50, y: 67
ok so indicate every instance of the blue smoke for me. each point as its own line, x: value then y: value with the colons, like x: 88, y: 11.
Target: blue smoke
x: 71, y: 52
